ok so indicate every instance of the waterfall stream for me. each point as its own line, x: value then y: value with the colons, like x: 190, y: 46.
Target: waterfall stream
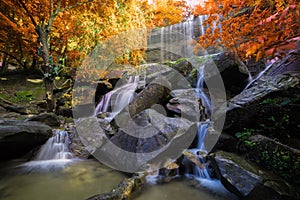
x: 53, y: 155
x: 115, y: 100
x: 202, y: 127
x: 175, y: 38
x: 258, y: 76
x: 56, y: 148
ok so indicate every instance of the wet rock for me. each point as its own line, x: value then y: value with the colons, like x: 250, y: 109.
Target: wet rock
x: 226, y: 142
x: 248, y: 181
x: 168, y: 172
x: 149, y: 131
x: 192, y: 159
x: 19, y: 137
x: 124, y: 190
x: 47, y: 118
x: 186, y: 108
x: 244, y: 109
x: 154, y: 93
x: 77, y: 147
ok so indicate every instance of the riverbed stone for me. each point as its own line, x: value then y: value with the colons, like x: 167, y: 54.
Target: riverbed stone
x: 19, y: 137
x: 248, y: 181
x: 244, y: 109
x: 124, y: 190
x: 47, y: 118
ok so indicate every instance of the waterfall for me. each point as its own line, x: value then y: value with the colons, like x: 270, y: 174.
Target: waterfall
x: 56, y: 148
x: 115, y: 100
x: 177, y: 38
x: 258, y: 76
x: 199, y: 90
x: 202, y: 127
x: 53, y: 155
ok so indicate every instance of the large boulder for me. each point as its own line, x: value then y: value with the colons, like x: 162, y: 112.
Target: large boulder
x: 253, y: 106
x: 149, y: 131
x: 47, y: 118
x: 274, y: 156
x: 150, y: 137
x: 234, y: 73
x: 185, y: 104
x: 154, y: 93
x: 248, y: 181
x: 19, y: 137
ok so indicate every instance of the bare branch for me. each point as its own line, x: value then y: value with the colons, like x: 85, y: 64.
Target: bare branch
x: 53, y: 15
x: 13, y: 57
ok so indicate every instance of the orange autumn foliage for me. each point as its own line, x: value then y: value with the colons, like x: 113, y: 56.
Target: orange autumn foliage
x: 252, y: 28
x: 167, y: 12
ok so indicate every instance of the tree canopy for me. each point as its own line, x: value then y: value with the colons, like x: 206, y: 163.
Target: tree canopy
x: 58, y: 34
x: 251, y: 28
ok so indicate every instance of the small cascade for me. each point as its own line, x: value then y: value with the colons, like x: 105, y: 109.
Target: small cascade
x: 258, y: 76
x: 53, y: 155
x: 56, y: 148
x: 202, y: 127
x: 115, y: 100
x: 200, y: 149
x: 199, y: 90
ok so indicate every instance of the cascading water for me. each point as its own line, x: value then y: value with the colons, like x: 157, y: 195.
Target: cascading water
x: 202, y: 127
x: 53, y: 155
x: 200, y: 92
x: 177, y: 38
x: 56, y: 148
x: 202, y: 174
x: 115, y: 100
x: 258, y: 76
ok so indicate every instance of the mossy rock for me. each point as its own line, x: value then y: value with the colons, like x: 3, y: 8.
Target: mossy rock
x: 272, y: 155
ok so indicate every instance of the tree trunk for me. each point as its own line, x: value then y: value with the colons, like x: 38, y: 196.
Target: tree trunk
x: 49, y: 94
x: 47, y: 67
x: 4, y: 63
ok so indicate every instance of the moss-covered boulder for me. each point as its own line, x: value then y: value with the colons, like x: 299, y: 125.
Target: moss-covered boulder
x: 274, y: 156
x: 248, y: 181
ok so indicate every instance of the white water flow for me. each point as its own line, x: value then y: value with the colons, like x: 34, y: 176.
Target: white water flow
x: 177, y: 37
x: 202, y: 127
x: 258, y: 76
x: 115, y: 100
x: 56, y: 148
x: 200, y: 92
x: 53, y: 155
x: 202, y: 174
